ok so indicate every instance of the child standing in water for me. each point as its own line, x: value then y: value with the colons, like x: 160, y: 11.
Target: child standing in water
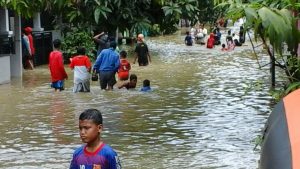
x: 146, y: 86
x: 188, y: 39
x: 131, y: 84
x: 95, y: 154
x: 56, y: 66
x: 224, y: 47
x: 230, y: 44
x: 123, y: 72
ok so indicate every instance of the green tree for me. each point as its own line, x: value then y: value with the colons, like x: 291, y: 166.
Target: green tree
x: 24, y: 8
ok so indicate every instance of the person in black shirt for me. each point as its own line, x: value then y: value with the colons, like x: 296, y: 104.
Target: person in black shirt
x: 141, y: 52
x: 242, y: 35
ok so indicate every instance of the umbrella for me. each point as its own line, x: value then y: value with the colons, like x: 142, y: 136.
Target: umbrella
x: 281, y: 139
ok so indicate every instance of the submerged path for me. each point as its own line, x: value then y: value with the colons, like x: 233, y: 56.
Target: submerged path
x: 203, y: 113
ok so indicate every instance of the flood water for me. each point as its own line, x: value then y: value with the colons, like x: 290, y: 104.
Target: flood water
x: 205, y: 110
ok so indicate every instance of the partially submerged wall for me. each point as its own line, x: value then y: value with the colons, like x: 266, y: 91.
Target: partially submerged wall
x: 4, y: 69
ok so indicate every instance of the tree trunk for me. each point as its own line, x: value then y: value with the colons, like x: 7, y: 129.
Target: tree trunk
x: 272, y: 58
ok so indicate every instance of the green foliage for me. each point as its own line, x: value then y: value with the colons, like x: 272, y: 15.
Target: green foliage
x: 131, y: 15
x: 258, y: 142
x: 101, y: 10
x: 175, y: 10
x: 24, y: 8
x: 140, y: 24
x: 154, y: 30
x: 172, y: 9
x: 278, y: 94
x: 270, y: 19
x: 78, y: 37
x: 291, y: 87
x: 293, y: 68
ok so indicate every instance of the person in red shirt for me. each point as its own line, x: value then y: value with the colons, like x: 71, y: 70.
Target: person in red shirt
x: 211, y: 41
x: 28, y: 32
x: 123, y: 71
x: 82, y: 67
x: 56, y: 66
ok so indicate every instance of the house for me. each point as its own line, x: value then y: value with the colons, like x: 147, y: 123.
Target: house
x: 11, y: 47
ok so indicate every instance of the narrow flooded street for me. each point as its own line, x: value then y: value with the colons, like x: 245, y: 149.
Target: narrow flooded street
x: 204, y: 113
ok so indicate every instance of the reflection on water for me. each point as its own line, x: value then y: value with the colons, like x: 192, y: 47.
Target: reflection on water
x: 200, y: 114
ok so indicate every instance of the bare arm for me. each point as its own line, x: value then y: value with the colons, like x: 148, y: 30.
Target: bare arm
x: 135, y: 57
x: 122, y: 85
x: 97, y: 36
x: 149, y: 57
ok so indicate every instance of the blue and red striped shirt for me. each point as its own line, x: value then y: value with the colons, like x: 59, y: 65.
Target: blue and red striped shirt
x: 103, y: 158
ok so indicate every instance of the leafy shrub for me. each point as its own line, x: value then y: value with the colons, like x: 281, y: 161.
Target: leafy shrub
x: 78, y: 37
x: 154, y: 30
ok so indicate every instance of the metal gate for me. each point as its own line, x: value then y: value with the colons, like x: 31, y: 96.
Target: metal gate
x: 43, y: 47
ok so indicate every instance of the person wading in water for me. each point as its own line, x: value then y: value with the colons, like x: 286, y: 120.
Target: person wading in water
x: 142, y: 52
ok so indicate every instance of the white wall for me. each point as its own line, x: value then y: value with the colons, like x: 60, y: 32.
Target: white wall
x: 4, y: 69
x: 16, y: 59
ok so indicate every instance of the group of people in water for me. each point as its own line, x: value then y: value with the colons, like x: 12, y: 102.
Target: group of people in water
x: 95, y: 153
x: 199, y: 36
x: 108, y: 63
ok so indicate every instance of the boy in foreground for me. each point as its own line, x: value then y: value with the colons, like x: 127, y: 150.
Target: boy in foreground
x: 94, y: 154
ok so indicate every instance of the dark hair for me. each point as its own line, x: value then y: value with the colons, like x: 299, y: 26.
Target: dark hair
x: 187, y: 32
x: 229, y: 32
x: 91, y: 114
x: 81, y: 50
x: 146, y: 83
x: 113, y: 44
x: 56, y: 43
x: 123, y: 53
x: 132, y: 77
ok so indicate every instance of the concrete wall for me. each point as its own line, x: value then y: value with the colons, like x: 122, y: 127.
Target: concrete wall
x: 11, y: 64
x: 4, y: 69
x: 16, y: 59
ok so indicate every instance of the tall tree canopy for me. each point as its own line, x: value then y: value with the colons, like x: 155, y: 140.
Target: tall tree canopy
x: 133, y: 15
